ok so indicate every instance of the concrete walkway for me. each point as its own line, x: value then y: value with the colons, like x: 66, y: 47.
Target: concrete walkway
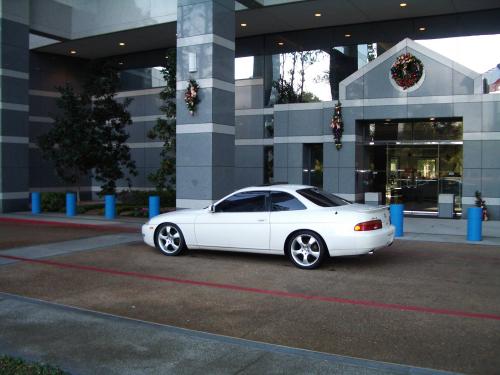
x: 415, y: 229
x: 87, y: 342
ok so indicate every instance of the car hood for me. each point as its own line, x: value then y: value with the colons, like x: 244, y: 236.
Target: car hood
x: 178, y: 215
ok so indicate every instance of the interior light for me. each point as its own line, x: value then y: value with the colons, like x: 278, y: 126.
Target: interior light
x: 121, y: 44
x: 280, y: 43
x: 120, y: 63
x: 347, y: 35
x: 72, y: 52
x: 317, y: 14
x: 243, y: 24
x: 402, y: 5
x: 421, y: 28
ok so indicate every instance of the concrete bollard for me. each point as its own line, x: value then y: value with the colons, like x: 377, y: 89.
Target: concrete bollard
x: 109, y: 207
x: 70, y: 204
x: 35, y: 203
x: 397, y: 218
x: 154, y: 205
x: 474, y: 224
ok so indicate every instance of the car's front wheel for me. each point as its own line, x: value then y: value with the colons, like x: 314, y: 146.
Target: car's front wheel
x: 306, y: 249
x: 169, y: 239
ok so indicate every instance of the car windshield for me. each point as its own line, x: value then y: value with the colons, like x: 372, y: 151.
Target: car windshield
x: 322, y: 198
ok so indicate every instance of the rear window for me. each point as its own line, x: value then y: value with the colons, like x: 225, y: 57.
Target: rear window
x: 322, y: 198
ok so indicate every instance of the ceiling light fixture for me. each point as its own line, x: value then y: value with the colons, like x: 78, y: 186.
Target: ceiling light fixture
x: 121, y: 44
x: 403, y: 5
x: 280, y: 43
x: 243, y: 24
x: 347, y: 35
x: 72, y: 52
x: 432, y: 118
x: 318, y: 14
x: 421, y: 28
x: 120, y: 63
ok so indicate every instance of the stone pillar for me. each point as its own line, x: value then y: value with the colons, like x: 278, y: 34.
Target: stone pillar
x: 205, y: 140
x: 14, y: 79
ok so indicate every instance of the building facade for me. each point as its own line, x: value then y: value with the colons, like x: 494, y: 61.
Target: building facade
x: 438, y: 137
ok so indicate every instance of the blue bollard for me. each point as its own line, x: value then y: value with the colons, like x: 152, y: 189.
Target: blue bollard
x: 154, y: 205
x: 109, y: 207
x: 70, y: 204
x: 35, y: 203
x: 474, y: 224
x: 397, y: 218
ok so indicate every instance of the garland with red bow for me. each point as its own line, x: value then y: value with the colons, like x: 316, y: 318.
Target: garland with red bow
x: 191, y: 96
x: 337, y: 125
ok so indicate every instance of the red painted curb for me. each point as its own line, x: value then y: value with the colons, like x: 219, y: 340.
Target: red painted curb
x: 277, y: 293
x: 68, y: 225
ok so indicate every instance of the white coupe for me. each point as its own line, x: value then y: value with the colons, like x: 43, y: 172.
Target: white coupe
x: 302, y: 222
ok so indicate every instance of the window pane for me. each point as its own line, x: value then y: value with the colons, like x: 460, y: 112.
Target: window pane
x: 322, y: 198
x: 285, y: 202
x: 250, y: 201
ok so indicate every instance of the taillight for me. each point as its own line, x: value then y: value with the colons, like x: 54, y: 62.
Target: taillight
x: 368, y: 225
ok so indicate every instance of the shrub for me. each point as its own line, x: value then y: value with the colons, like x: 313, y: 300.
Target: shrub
x: 53, y: 202
x: 15, y: 366
x: 141, y: 198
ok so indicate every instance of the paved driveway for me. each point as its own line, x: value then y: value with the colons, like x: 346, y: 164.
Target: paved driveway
x: 425, y: 304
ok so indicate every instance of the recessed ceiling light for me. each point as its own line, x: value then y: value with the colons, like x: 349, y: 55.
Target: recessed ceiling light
x: 72, y: 52
x: 120, y: 63
x: 347, y: 35
x: 280, y: 43
x: 121, y: 44
x: 317, y: 14
x: 243, y: 24
x: 421, y: 28
x: 402, y: 5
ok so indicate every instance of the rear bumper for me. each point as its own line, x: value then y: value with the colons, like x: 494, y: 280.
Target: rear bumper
x: 365, y: 242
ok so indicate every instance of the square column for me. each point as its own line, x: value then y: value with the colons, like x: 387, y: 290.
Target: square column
x: 205, y: 140
x: 14, y: 105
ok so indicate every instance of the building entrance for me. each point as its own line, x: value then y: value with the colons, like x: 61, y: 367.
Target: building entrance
x: 412, y: 162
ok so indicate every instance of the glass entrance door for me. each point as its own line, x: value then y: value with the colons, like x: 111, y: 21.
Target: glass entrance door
x: 313, y: 164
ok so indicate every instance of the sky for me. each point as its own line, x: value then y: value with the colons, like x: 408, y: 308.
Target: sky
x: 479, y: 53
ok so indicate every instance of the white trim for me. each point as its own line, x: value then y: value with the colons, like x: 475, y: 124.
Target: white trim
x: 491, y: 98
x: 482, y: 136
x: 145, y: 144
x: 9, y: 139
x: 489, y: 201
x: 147, y: 118
x: 249, y: 82
x: 152, y: 91
x: 14, y: 195
x: 49, y: 94
x: 412, y: 100
x: 467, y: 98
x: 43, y: 119
x: 254, y: 112
x: 444, y: 99
x: 208, y: 127
x: 254, y: 142
x: 298, y: 106
x: 15, y: 107
x: 205, y: 39
x: 206, y: 83
x: 193, y: 203
x: 315, y: 139
x: 14, y: 74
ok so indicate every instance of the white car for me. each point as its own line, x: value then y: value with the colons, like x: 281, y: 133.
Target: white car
x: 302, y: 222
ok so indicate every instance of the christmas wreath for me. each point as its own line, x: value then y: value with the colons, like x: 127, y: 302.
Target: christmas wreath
x: 191, y: 96
x: 337, y: 126
x: 407, y: 70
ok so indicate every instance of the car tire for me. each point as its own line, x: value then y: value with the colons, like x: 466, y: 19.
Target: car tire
x: 306, y: 249
x: 169, y: 239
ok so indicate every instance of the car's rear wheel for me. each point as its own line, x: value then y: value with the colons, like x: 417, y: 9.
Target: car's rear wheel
x: 306, y: 249
x: 169, y: 239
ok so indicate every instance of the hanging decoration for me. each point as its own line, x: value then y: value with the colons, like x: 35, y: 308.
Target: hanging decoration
x: 407, y: 70
x: 337, y: 125
x: 191, y: 96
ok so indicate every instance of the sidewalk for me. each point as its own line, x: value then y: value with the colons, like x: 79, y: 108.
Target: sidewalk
x: 415, y: 229
x: 108, y: 344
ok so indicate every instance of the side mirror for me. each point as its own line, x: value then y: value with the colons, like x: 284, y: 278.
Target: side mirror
x: 212, y: 208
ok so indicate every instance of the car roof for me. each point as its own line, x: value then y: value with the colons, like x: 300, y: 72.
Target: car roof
x: 279, y: 187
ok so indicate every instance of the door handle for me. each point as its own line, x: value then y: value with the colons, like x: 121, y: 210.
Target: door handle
x: 261, y: 220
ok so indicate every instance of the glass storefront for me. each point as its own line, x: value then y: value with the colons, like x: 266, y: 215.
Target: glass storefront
x: 312, y: 173
x: 412, y: 161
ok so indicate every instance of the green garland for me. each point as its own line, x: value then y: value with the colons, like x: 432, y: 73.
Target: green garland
x: 191, y: 96
x: 337, y: 125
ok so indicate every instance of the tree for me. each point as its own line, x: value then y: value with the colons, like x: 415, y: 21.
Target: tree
x: 70, y: 143
x: 88, y: 137
x: 164, y: 130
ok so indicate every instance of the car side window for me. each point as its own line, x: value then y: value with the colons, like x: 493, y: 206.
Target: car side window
x: 281, y: 201
x: 248, y: 201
